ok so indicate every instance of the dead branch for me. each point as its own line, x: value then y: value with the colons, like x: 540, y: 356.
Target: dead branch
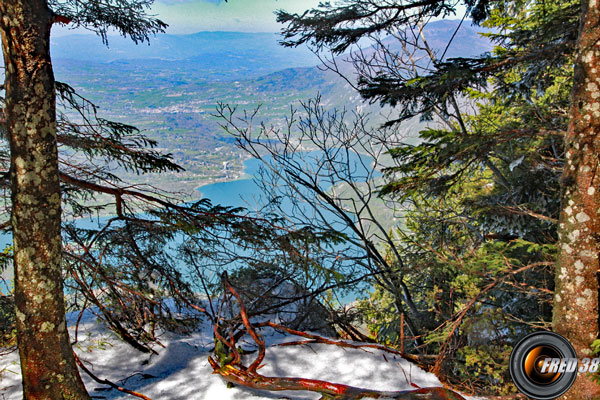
x: 261, y: 344
x: 328, y: 390
x: 235, y: 372
x: 107, y: 382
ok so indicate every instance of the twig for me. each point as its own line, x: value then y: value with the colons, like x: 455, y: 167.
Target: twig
x: 235, y: 372
x: 107, y: 382
x: 441, y: 355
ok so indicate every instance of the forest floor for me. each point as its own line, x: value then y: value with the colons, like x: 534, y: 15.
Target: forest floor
x: 181, y: 370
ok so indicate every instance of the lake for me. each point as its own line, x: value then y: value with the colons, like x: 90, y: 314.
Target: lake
x: 238, y: 193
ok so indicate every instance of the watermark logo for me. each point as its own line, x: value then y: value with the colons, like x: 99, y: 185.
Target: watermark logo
x: 544, y: 365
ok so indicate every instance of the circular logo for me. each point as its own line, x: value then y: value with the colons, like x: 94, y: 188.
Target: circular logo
x: 543, y: 365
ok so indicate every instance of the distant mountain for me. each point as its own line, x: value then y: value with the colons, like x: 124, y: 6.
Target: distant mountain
x: 230, y: 55
x: 245, y: 54
x: 193, y: 72
x: 172, y: 87
x: 467, y: 42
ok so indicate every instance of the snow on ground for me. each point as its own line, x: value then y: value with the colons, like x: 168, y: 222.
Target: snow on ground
x: 181, y: 370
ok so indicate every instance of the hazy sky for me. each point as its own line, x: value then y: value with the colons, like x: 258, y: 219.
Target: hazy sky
x: 187, y: 16
x: 190, y: 16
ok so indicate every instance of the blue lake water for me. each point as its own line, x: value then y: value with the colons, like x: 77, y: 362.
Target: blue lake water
x: 238, y: 193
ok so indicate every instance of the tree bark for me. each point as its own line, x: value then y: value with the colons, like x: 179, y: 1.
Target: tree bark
x: 576, y: 297
x: 328, y: 390
x: 47, y: 362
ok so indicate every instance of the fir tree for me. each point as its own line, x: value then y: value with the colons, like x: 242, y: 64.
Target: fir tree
x: 521, y: 151
x: 47, y: 362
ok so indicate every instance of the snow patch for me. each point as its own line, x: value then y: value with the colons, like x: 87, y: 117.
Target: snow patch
x: 181, y: 371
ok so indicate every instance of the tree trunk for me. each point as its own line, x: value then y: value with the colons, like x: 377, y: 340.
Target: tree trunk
x: 47, y: 362
x: 576, y: 298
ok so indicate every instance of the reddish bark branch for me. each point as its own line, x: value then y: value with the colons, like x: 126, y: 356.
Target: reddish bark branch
x: 249, y: 328
x: 62, y: 19
x: 229, y: 343
x: 320, y: 339
x: 329, y: 390
x: 235, y: 372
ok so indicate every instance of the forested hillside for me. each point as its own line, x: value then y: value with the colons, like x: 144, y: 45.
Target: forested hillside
x: 429, y: 198
x: 171, y: 87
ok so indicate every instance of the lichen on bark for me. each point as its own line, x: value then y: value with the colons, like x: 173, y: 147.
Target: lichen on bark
x: 576, y: 296
x: 47, y: 363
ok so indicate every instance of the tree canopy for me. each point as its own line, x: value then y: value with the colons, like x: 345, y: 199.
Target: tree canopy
x: 479, y: 229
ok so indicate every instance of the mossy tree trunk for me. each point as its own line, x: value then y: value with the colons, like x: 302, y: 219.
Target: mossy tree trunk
x: 576, y: 298
x: 47, y: 362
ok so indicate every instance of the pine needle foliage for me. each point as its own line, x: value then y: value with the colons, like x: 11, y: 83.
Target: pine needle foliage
x: 481, y: 184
